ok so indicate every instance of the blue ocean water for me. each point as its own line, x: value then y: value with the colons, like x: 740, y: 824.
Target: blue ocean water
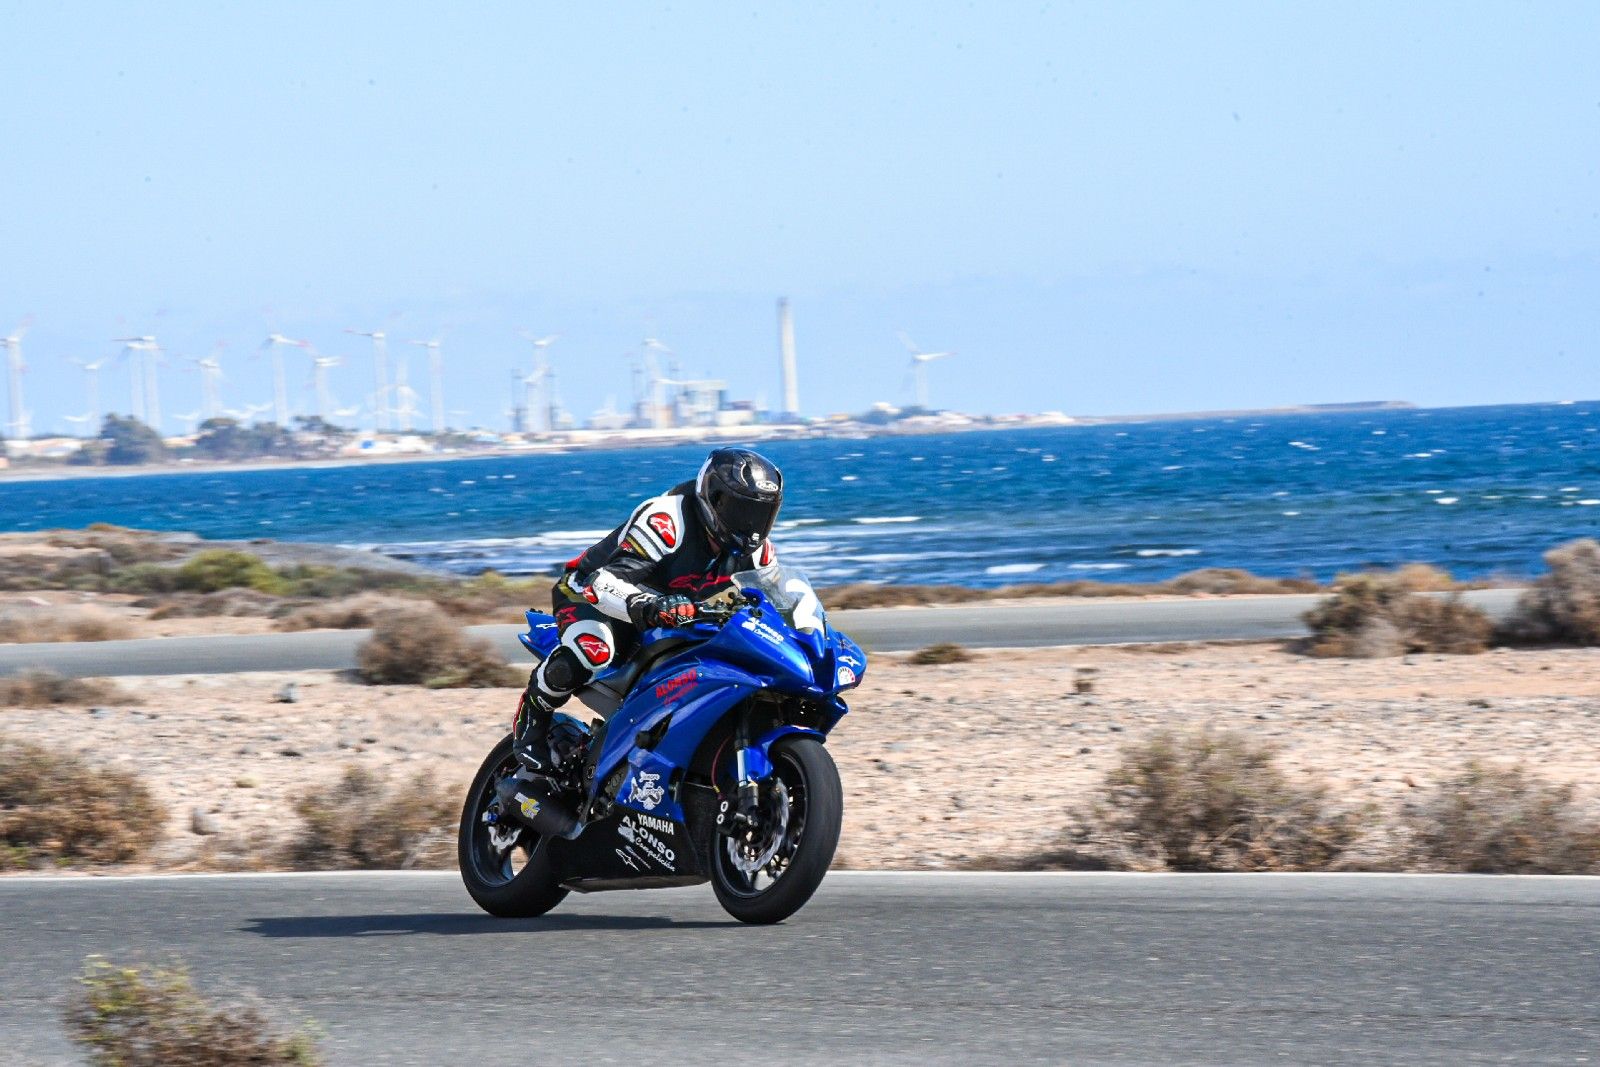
x: 1478, y: 490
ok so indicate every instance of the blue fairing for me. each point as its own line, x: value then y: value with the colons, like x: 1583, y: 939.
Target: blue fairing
x: 693, y: 690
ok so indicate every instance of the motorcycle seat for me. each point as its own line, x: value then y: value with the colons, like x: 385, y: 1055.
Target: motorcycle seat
x: 608, y: 690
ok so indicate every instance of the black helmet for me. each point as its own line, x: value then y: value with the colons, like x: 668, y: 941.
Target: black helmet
x: 739, y: 493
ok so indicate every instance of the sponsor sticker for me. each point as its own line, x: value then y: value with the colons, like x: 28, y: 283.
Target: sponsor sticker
x: 756, y: 626
x: 767, y: 485
x: 654, y: 849
x: 530, y: 807
x: 646, y: 790
x: 847, y: 676
x: 677, y: 685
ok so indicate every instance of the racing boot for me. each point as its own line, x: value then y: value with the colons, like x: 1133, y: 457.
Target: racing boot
x: 531, y: 729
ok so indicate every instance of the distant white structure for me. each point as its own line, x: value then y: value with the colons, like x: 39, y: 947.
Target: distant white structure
x: 210, y: 384
x: 918, y: 370
x: 380, y: 373
x: 21, y: 423
x: 276, y: 343
x: 141, y: 353
x: 791, y: 379
x: 436, y: 383
x: 91, y: 372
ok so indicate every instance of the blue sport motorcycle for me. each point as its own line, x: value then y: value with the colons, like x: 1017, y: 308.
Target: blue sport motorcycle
x: 706, y: 763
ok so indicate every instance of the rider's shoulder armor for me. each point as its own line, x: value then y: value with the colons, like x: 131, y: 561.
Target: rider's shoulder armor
x: 657, y: 528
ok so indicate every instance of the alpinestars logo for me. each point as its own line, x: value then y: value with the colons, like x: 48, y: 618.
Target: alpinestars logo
x: 594, y: 650
x: 647, y: 791
x: 663, y: 525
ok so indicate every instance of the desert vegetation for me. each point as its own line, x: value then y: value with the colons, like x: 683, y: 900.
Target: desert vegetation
x: 38, y: 689
x: 1211, y: 581
x: 944, y: 652
x: 1376, y: 614
x: 421, y: 645
x: 1500, y: 820
x: 58, y: 809
x: 1211, y: 801
x: 1563, y: 605
x: 154, y: 1017
x: 21, y: 624
x: 362, y: 821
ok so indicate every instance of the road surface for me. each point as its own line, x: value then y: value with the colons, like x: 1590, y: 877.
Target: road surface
x: 1078, y: 622
x: 880, y: 968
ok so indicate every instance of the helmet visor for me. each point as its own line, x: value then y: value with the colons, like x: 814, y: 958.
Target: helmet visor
x: 745, y: 521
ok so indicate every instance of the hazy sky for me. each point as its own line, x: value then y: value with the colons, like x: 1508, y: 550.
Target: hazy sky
x: 1101, y: 207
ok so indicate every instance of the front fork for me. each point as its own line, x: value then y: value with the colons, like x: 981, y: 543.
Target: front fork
x: 739, y: 811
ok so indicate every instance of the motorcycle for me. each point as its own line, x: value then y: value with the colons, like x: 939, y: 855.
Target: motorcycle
x: 706, y: 762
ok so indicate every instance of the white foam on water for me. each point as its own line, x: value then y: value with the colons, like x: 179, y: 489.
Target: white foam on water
x: 1291, y: 514
x: 1433, y: 492
x: 1588, y: 503
x: 876, y: 519
x: 1446, y: 499
x: 1173, y: 467
x: 1013, y: 568
x: 1302, y: 444
x: 1572, y: 489
x: 1097, y: 566
x: 1150, y: 552
x: 848, y: 478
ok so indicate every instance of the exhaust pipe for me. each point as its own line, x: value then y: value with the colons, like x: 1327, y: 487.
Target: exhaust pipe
x: 535, y: 802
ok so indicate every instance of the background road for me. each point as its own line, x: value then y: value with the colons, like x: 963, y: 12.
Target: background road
x: 880, y: 968
x: 1080, y: 622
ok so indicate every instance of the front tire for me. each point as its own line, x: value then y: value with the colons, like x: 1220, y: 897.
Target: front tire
x: 806, y: 779
x: 489, y: 854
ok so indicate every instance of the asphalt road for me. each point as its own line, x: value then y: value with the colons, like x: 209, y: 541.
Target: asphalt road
x: 1083, y: 622
x: 906, y: 969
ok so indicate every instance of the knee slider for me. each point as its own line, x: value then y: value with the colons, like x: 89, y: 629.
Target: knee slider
x: 562, y: 672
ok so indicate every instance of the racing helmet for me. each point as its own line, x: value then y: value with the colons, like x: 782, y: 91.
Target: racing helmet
x: 739, y: 493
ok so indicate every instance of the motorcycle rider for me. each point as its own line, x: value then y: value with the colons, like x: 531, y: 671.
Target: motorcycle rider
x: 674, y: 550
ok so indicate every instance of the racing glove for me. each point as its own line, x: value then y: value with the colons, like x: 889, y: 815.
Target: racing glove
x: 646, y: 611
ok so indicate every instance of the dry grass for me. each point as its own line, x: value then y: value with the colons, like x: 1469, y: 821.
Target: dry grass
x: 28, y: 624
x: 362, y: 822
x: 230, y: 603
x: 153, y: 1017
x: 1493, y: 820
x: 1210, y: 581
x: 939, y: 654
x: 351, y: 613
x: 56, y: 808
x: 1563, y: 606
x: 420, y: 645
x: 1381, y: 614
x: 40, y: 689
x: 1210, y: 801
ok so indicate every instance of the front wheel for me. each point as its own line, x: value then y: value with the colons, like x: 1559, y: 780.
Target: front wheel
x: 767, y: 874
x: 504, y: 864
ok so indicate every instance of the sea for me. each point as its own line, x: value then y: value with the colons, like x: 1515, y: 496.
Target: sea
x: 1481, y: 491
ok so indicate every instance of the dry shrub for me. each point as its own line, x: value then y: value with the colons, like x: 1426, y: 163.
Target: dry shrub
x: 939, y: 654
x: 153, y: 1017
x: 1494, y: 820
x: 363, y: 822
x: 420, y: 645
x: 1205, y: 801
x: 1424, y: 578
x: 1376, y: 614
x: 1563, y: 606
x: 25, y: 624
x: 229, y: 603
x: 1228, y: 580
x: 490, y: 596
x: 352, y: 613
x: 58, y: 808
x: 40, y: 689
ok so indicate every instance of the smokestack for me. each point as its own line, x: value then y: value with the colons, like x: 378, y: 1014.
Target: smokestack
x: 791, y: 383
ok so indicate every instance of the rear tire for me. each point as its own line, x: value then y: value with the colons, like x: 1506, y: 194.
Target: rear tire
x: 491, y: 877
x: 817, y: 810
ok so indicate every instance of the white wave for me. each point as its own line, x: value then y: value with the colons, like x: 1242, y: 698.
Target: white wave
x: 1149, y: 552
x: 1291, y: 514
x: 1013, y: 568
x: 1302, y: 444
x: 588, y: 536
x: 1097, y: 566
x: 1446, y: 499
x: 1571, y: 489
x: 876, y: 519
x: 789, y: 524
x: 1588, y: 503
x: 848, y: 478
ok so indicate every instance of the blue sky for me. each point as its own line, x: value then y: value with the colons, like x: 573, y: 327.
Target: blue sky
x: 1102, y: 208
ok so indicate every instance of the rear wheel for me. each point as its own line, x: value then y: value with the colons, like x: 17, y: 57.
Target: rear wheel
x: 768, y: 874
x: 505, y: 866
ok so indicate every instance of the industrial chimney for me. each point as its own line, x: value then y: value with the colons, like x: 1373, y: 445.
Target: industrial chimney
x: 791, y: 384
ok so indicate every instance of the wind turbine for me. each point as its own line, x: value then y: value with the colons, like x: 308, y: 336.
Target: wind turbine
x: 210, y: 379
x: 541, y: 370
x: 436, y: 376
x: 21, y: 420
x: 248, y: 412
x: 91, y: 371
x: 192, y: 420
x: 276, y: 343
x: 918, y: 367
x: 319, y: 374
x: 380, y: 372
x: 136, y: 351
x: 405, y: 397
x: 652, y: 369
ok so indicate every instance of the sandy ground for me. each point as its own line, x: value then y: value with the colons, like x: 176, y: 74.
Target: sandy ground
x: 941, y: 764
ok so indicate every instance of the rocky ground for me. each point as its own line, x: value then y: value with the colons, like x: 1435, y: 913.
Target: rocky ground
x: 942, y: 765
